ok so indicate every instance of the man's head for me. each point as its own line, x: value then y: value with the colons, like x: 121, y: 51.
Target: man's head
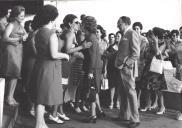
x: 123, y: 23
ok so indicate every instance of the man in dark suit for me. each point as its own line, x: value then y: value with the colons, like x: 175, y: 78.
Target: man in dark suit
x: 126, y: 61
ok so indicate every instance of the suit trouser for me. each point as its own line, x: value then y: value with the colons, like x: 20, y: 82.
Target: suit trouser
x: 129, y: 105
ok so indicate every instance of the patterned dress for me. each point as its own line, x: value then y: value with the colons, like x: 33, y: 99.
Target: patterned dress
x: 151, y: 80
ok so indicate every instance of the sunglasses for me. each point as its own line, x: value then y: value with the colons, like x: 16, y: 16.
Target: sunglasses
x: 77, y: 22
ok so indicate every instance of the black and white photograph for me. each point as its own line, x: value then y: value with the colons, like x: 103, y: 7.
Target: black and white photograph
x: 90, y: 63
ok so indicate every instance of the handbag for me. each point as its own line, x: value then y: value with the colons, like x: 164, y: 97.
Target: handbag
x: 156, y: 65
x: 104, y: 84
x: 167, y: 65
x: 91, y: 95
x: 174, y: 85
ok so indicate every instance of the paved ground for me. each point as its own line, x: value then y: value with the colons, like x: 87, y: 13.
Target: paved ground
x: 148, y: 120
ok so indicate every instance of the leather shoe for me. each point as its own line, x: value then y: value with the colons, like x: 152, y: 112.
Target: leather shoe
x: 133, y: 124
x: 119, y: 119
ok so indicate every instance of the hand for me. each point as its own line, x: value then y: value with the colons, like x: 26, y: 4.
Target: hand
x: 67, y: 57
x: 79, y: 55
x: 86, y: 45
x: 105, y: 75
x: 90, y: 76
x: 25, y: 37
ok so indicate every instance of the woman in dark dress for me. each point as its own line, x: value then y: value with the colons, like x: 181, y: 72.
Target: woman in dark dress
x: 46, y: 76
x: 112, y: 72
x: 13, y: 38
x: 92, y: 64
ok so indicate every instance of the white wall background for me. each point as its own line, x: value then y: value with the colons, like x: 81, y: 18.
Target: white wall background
x: 162, y: 13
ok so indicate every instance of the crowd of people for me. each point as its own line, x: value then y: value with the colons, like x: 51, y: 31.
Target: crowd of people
x: 66, y: 64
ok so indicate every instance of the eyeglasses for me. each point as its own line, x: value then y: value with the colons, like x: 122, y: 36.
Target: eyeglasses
x: 77, y: 22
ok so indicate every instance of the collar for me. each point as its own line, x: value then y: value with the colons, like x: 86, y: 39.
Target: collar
x: 126, y: 30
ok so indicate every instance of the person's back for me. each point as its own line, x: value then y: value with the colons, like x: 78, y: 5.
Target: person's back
x: 42, y: 43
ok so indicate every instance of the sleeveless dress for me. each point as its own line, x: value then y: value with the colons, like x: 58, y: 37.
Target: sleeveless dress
x: 14, y: 53
x: 46, y: 76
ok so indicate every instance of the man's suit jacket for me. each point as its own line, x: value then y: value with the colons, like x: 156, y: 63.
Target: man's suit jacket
x: 128, y: 51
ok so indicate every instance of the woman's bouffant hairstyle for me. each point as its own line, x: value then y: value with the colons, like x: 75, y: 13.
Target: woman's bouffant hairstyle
x: 90, y: 24
x: 103, y: 32
x: 46, y: 14
x: 159, y: 32
x: 68, y: 19
x: 156, y: 31
x: 16, y: 10
x: 139, y: 24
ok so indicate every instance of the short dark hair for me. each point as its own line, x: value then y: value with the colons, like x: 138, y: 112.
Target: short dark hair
x: 139, y: 24
x: 110, y: 34
x: 68, y: 19
x: 126, y: 20
x: 103, y: 32
x: 174, y: 31
x: 90, y: 24
x: 46, y: 14
x: 27, y: 25
x: 119, y: 32
x: 16, y: 10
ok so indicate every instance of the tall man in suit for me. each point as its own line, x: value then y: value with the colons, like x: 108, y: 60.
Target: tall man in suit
x: 126, y: 61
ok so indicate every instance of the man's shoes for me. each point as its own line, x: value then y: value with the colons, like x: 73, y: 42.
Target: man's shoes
x: 133, y: 124
x: 119, y: 119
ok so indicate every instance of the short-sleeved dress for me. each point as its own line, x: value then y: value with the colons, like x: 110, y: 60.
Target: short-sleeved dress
x: 46, y: 76
x: 13, y: 54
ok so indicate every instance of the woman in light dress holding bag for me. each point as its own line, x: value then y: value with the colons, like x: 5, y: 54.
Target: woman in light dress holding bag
x: 151, y: 81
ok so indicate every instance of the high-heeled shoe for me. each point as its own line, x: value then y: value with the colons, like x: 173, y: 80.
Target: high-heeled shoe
x: 92, y: 119
x: 154, y: 106
x: 145, y: 109
x: 101, y: 114
x: 161, y: 111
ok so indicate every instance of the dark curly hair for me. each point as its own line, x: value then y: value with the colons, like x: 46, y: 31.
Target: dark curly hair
x: 103, y: 32
x: 68, y: 19
x: 90, y: 24
x: 139, y: 24
x: 119, y: 32
x: 46, y: 14
x: 110, y: 34
x: 16, y: 10
x: 174, y: 31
